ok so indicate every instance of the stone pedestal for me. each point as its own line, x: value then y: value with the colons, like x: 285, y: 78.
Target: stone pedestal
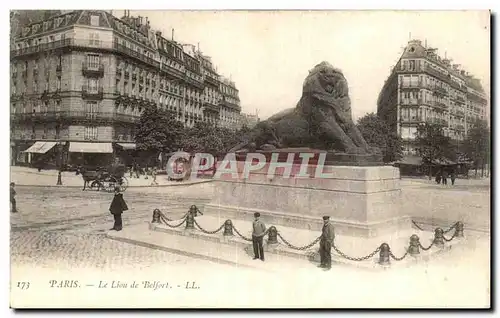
x: 360, y: 200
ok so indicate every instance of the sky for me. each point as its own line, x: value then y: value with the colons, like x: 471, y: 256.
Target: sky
x: 269, y: 53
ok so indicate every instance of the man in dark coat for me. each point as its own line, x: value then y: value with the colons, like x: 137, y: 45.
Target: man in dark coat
x: 259, y: 230
x: 116, y: 208
x: 325, y: 244
x: 13, y: 197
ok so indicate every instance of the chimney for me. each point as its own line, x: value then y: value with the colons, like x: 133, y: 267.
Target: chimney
x: 173, y: 34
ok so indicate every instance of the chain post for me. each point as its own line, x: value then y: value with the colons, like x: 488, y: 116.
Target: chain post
x: 459, y: 229
x: 414, y: 248
x: 193, y: 210
x: 190, y: 221
x: 156, y: 216
x: 228, y: 228
x: 438, y: 237
x: 272, y: 237
x: 384, y: 254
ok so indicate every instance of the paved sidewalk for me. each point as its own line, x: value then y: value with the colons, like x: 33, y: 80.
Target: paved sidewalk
x: 25, y: 176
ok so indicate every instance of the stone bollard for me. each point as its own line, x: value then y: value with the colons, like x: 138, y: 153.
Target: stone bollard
x: 156, y: 216
x: 59, y: 178
x: 384, y: 254
x: 193, y: 210
x: 438, y: 237
x: 228, y: 228
x: 272, y: 237
x: 190, y: 221
x: 414, y: 248
x: 459, y: 229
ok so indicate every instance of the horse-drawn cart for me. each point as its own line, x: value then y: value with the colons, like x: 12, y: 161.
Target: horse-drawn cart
x: 104, y: 179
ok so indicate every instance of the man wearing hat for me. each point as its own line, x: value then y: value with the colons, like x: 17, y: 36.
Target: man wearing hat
x: 259, y: 230
x: 325, y: 244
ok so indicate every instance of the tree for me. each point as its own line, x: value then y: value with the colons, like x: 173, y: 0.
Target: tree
x: 433, y: 145
x: 476, y: 145
x: 203, y: 137
x: 158, y: 131
x: 378, y: 133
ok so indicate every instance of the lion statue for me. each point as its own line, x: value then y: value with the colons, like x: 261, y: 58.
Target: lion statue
x: 322, y: 118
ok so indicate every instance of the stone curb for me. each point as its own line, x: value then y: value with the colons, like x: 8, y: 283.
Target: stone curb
x: 181, y: 252
x: 136, y: 186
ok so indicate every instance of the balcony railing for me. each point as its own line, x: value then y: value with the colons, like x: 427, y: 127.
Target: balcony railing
x: 92, y: 69
x: 140, y: 56
x: 87, y: 93
x: 75, y: 115
x: 437, y: 74
x: 440, y: 105
x: 440, y: 90
x: 410, y: 102
x: 411, y: 120
x: 84, y: 43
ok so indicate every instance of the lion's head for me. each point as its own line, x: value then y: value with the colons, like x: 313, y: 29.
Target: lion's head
x: 324, y: 77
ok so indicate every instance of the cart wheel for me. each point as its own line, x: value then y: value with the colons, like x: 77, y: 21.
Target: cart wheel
x: 110, y: 184
x: 124, y: 184
x: 96, y: 185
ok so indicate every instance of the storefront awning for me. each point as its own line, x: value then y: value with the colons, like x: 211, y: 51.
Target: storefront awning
x: 41, y: 147
x: 91, y: 147
x: 126, y: 146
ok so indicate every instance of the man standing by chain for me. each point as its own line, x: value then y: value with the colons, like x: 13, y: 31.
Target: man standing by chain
x: 325, y: 244
x: 259, y: 230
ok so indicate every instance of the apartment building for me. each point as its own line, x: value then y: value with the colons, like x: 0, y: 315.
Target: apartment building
x: 80, y: 80
x: 424, y: 87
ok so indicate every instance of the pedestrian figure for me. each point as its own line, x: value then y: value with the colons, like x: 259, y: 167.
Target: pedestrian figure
x: 325, y: 244
x: 153, y: 175
x: 13, y: 197
x: 259, y: 230
x: 131, y: 171
x: 452, y: 177
x: 116, y: 208
x: 445, y: 177
x: 438, y: 178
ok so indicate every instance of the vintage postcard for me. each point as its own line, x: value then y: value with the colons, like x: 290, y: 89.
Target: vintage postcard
x: 250, y: 159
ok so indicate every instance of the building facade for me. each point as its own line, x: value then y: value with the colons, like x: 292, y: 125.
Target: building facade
x: 80, y: 80
x: 423, y: 87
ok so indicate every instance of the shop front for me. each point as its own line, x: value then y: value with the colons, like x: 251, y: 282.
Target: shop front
x: 126, y: 152
x: 42, y: 154
x: 90, y: 154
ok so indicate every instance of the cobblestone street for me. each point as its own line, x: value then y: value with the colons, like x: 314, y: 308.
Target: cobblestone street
x: 68, y: 225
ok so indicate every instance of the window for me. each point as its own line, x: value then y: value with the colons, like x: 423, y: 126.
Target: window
x: 58, y: 82
x: 92, y: 85
x: 90, y: 133
x: 94, y: 20
x: 91, y: 108
x: 94, y: 39
x: 93, y: 61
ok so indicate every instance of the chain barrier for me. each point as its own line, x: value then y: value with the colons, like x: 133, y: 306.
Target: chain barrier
x: 165, y: 220
x: 448, y: 230
x: 164, y: 216
x: 173, y: 226
x: 357, y: 259
x: 398, y: 258
x: 426, y: 248
x: 451, y: 228
x: 308, y: 246
x: 205, y: 231
x: 417, y: 226
x: 451, y: 238
x: 241, y: 235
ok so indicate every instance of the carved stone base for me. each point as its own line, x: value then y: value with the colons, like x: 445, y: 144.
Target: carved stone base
x: 332, y: 158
